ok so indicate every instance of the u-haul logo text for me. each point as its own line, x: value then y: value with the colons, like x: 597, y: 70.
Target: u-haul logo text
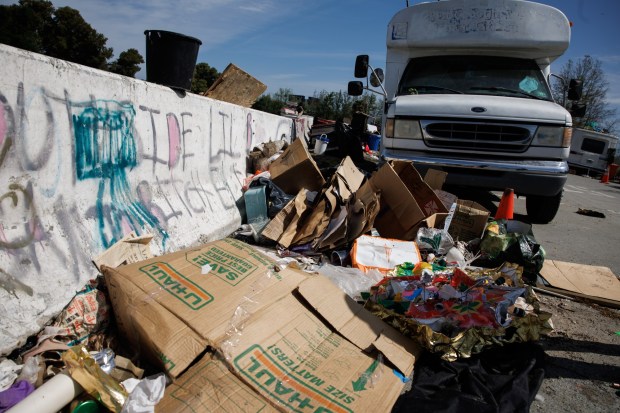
x: 176, y: 284
x: 313, y: 395
x: 224, y: 264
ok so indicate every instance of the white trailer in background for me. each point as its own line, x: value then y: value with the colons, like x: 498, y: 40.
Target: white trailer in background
x: 467, y: 91
x: 592, y: 152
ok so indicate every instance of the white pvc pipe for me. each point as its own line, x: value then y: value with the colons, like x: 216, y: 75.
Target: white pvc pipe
x: 52, y: 396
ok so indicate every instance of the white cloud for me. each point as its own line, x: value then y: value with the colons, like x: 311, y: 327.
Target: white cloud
x: 214, y: 22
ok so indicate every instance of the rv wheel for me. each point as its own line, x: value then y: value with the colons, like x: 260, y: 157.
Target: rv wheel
x: 542, y: 209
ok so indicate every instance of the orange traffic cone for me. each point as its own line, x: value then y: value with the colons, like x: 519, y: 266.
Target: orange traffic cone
x: 506, y: 205
x: 605, y: 177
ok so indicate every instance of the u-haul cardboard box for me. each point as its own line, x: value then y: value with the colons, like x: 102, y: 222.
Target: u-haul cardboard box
x: 311, y: 361
x: 172, y: 307
x: 208, y: 386
x: 297, y: 340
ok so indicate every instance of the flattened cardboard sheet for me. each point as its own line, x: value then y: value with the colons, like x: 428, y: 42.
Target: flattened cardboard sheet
x: 589, y: 280
x: 302, y: 346
x: 236, y: 86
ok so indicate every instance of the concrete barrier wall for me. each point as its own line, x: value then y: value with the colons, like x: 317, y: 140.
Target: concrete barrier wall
x: 88, y: 156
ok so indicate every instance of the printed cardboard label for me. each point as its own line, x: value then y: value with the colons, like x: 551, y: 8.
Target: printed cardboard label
x: 173, y: 282
x: 302, y: 391
x: 229, y: 267
x: 289, y: 355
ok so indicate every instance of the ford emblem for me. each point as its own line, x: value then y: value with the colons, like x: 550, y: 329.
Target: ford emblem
x: 478, y: 109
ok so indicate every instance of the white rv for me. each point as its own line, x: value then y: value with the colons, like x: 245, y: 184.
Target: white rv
x: 591, y: 151
x: 467, y: 91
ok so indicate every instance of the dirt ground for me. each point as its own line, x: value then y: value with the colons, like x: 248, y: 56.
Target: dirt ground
x: 582, y: 358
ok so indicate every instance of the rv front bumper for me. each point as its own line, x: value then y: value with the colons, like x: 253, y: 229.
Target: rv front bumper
x: 530, y: 177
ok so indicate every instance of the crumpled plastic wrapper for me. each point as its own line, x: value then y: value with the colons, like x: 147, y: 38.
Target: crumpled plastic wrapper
x: 84, y: 369
x: 529, y: 327
x: 144, y: 394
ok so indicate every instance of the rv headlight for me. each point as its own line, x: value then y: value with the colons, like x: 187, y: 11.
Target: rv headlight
x: 553, y: 136
x: 403, y: 129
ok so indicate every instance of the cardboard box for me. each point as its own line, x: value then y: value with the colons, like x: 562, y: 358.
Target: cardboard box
x: 295, y: 169
x: 434, y: 221
x: 469, y: 221
x: 447, y: 199
x: 172, y: 307
x: 435, y: 178
x: 405, y: 200
x: 208, y: 386
x: 300, y: 342
x: 289, y: 355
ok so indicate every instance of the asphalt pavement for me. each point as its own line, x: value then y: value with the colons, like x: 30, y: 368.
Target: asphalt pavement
x: 571, y: 236
x: 582, y: 354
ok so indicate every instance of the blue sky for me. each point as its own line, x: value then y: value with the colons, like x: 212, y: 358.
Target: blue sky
x: 309, y: 46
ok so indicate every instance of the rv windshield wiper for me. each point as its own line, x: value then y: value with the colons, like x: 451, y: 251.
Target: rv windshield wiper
x: 504, y: 89
x: 413, y: 90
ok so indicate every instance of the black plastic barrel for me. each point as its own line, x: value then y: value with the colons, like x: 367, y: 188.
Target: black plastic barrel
x: 170, y: 58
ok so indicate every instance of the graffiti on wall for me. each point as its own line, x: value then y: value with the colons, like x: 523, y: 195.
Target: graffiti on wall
x: 105, y: 150
x: 78, y: 174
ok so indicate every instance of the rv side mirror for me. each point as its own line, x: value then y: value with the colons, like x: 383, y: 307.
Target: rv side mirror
x: 575, y: 89
x: 376, y: 77
x: 578, y: 110
x: 361, y: 66
x: 355, y: 88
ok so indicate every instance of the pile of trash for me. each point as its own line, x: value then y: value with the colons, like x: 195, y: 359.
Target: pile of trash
x: 71, y: 367
x: 340, y: 278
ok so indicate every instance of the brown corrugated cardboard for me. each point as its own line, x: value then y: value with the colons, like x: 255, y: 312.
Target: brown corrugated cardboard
x: 295, y: 169
x: 283, y: 227
x: 337, y: 215
x: 434, y: 221
x: 173, y: 306
x: 446, y: 198
x: 405, y: 200
x: 302, y: 343
x: 290, y: 356
x: 345, y: 181
x: 357, y: 324
x: 423, y: 194
x: 207, y: 387
x: 236, y: 86
x: 469, y: 220
x: 131, y: 248
x: 595, y: 283
x: 435, y: 178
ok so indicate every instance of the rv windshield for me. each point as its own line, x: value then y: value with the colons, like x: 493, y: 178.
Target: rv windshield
x: 474, y: 75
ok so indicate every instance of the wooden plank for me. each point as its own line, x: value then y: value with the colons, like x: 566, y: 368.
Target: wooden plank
x: 236, y: 86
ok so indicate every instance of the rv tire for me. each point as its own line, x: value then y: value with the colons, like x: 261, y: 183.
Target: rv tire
x: 542, y: 209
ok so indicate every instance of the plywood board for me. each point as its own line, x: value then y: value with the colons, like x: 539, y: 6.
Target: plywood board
x: 236, y: 86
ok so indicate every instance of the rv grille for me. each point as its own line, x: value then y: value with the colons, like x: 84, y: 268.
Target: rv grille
x: 477, y: 136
